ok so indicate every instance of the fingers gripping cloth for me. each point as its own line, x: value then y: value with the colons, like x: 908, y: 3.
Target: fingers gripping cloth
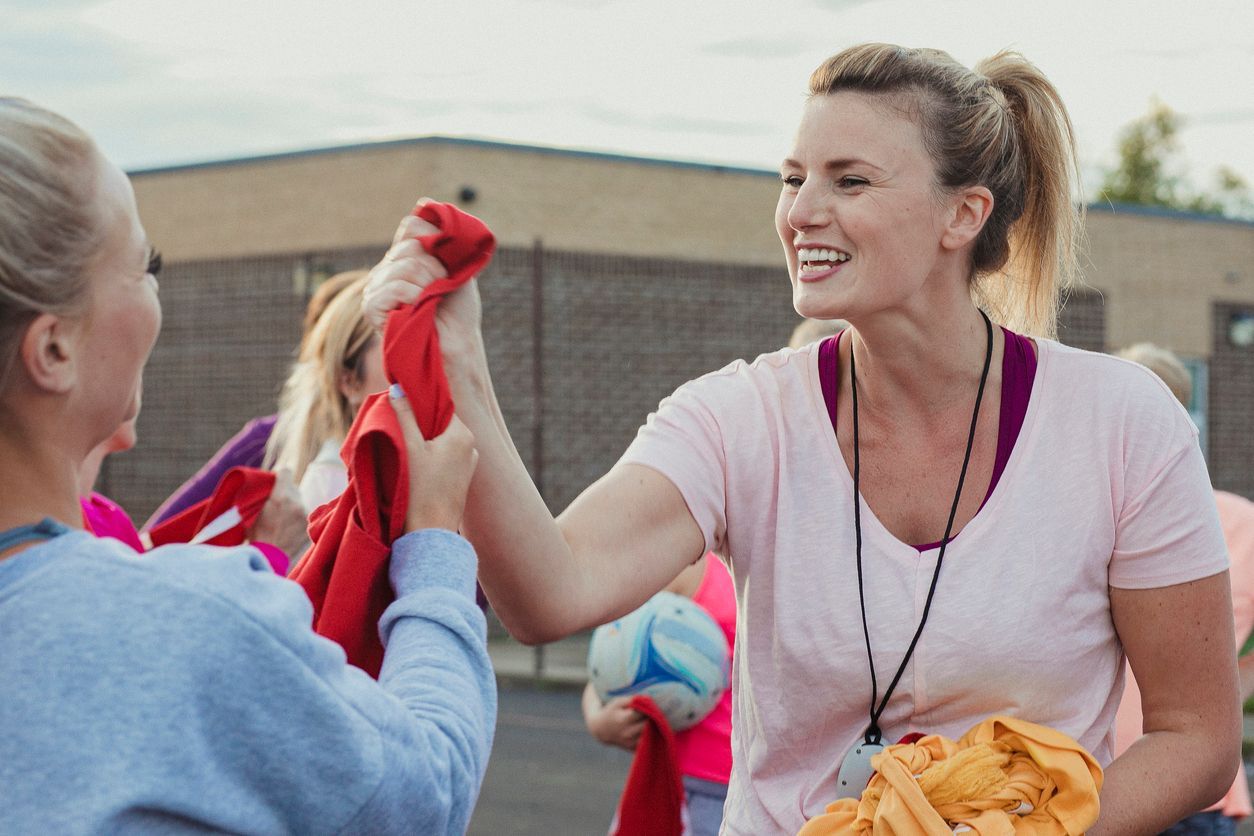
x: 1004, y: 776
x: 345, y: 572
x: 653, y: 797
x: 222, y: 519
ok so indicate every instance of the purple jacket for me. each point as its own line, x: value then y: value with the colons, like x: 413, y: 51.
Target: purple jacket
x: 246, y: 448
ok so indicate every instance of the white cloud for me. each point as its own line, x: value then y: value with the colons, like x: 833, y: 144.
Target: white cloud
x: 164, y: 81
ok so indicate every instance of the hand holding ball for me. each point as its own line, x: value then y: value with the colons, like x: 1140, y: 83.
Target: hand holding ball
x: 669, y: 650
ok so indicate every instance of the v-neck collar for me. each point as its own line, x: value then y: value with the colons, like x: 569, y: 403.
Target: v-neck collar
x: 987, y: 510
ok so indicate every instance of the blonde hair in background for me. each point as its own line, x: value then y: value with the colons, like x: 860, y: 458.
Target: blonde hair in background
x: 1164, y: 363
x: 813, y: 330
x: 312, y: 409
x: 1002, y: 126
x: 321, y: 297
x: 49, y: 231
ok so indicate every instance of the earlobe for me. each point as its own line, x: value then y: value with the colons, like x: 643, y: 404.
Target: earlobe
x: 971, y: 210
x: 47, y: 353
x: 348, y: 384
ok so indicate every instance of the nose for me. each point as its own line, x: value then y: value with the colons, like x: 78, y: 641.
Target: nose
x: 808, y: 210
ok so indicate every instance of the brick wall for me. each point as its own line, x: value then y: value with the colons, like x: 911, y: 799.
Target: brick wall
x: 1231, y: 418
x: 1082, y: 320
x: 620, y: 333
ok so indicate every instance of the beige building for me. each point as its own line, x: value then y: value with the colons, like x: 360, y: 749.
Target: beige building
x: 614, y: 273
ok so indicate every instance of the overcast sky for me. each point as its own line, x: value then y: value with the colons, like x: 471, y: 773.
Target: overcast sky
x: 172, y: 81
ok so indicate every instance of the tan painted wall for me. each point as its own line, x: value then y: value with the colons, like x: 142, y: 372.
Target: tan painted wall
x: 353, y: 198
x: 1159, y: 274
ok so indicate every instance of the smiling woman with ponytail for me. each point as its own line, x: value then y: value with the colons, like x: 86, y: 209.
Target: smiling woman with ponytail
x: 931, y: 519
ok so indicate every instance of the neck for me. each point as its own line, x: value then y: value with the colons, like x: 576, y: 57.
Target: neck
x: 37, y: 479
x: 928, y: 362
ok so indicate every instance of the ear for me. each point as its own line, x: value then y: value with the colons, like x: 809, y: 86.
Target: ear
x: 970, y: 209
x: 48, y: 352
x: 349, y: 386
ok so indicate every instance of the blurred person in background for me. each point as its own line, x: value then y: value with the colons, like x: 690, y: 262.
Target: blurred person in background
x: 341, y: 362
x: 247, y: 448
x: 703, y: 752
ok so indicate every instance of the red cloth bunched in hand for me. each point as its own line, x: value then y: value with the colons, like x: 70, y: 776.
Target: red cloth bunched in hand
x: 345, y: 573
x: 244, y: 488
x: 653, y: 797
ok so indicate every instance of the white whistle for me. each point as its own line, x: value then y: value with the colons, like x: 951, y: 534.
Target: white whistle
x: 856, y: 770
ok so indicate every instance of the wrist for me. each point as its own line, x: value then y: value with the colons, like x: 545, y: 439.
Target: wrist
x: 422, y: 519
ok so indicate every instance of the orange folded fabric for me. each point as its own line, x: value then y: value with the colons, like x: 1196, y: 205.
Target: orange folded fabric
x: 245, y: 489
x: 1004, y: 776
x: 345, y: 572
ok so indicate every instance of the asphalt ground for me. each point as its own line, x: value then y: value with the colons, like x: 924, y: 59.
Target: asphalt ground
x: 547, y: 776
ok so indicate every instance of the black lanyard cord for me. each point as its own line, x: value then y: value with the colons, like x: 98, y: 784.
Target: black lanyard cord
x: 873, y: 732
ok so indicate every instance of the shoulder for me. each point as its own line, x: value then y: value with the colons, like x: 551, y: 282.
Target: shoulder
x: 1095, y: 370
x: 766, y: 378
x: 1110, y: 393
x: 121, y: 598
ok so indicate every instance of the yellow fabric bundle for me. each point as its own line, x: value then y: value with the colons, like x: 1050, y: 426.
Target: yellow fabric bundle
x: 1001, y: 778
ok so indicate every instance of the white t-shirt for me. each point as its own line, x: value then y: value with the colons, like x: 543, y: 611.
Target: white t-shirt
x: 1106, y: 486
x: 325, y: 478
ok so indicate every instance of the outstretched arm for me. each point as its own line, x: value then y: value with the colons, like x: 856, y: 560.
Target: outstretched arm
x: 621, y: 541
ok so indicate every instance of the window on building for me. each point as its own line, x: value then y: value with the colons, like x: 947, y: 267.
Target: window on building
x: 1199, y: 370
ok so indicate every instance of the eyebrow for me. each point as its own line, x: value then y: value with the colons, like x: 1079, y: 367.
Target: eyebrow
x: 833, y: 165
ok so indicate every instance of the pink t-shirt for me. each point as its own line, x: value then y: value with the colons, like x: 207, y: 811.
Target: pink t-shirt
x: 1236, y: 516
x: 704, y: 751
x: 1105, y: 486
x: 105, y: 518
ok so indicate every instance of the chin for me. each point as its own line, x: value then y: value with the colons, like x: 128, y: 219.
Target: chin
x: 810, y: 308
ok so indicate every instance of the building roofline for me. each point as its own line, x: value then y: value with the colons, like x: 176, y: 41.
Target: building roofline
x: 1165, y: 212
x: 605, y: 156
x: 462, y: 141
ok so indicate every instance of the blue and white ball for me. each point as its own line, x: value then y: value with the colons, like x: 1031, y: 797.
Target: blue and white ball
x: 670, y: 650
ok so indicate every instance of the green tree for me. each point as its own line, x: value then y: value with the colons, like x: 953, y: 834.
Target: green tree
x: 1149, y: 175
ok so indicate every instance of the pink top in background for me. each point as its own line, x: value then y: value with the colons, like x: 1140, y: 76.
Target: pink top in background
x: 1105, y: 486
x: 1236, y: 515
x: 105, y: 518
x: 704, y: 751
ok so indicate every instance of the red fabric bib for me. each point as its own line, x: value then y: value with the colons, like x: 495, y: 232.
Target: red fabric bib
x: 244, y: 488
x: 345, y: 573
x: 653, y: 798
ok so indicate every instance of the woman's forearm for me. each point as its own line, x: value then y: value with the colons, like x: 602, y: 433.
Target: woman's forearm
x: 1162, y: 778
x: 526, y: 566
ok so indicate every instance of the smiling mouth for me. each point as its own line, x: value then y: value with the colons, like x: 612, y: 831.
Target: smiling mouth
x: 815, y: 262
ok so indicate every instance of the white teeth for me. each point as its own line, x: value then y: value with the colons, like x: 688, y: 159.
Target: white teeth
x: 810, y: 254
